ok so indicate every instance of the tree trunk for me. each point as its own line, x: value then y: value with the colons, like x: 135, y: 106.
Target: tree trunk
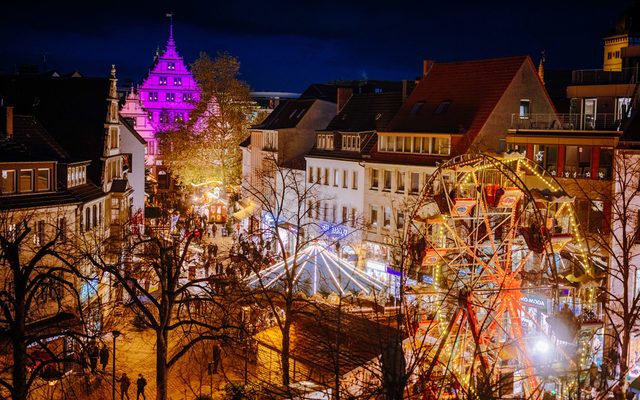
x: 285, y: 351
x: 161, y: 365
x: 19, y: 371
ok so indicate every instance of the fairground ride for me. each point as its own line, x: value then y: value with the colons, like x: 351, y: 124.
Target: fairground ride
x: 494, y: 238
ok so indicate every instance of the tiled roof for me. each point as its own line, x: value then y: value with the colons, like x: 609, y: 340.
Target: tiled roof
x: 367, y: 144
x: 30, y: 142
x: 457, y: 97
x: 287, y: 115
x: 366, y: 112
x: 73, y: 110
x: 75, y: 195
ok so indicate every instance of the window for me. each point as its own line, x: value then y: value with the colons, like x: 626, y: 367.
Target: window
x: 26, y: 180
x: 164, y: 117
x: 318, y: 175
x: 95, y: 216
x: 171, y: 65
x: 351, y: 142
x: 373, y: 216
x: 324, y: 141
x: 178, y: 117
x: 187, y: 97
x: 609, y: 55
x: 344, y: 214
x: 577, y: 162
x: 399, y: 219
x: 325, y: 177
x: 415, y: 144
x: 310, y: 208
x: 400, y: 184
x: 353, y: 217
x: 623, y: 108
x: 8, y: 181
x: 310, y: 174
x: 335, y: 177
x: 375, y: 178
x: 334, y: 211
x: 387, y: 180
x: 153, y: 96
x: 547, y: 157
x: 617, y: 53
x: 87, y: 219
x: 162, y: 81
x: 382, y: 143
x: 415, y: 182
x: 38, y: 233
x: 99, y: 213
x: 440, y: 145
x: 524, y: 108
x: 177, y: 81
x: 386, y: 220
x: 325, y: 212
x: 416, y: 108
x: 443, y: 107
x: 354, y: 181
x: 62, y: 229
x: 345, y: 176
x: 171, y: 97
x: 606, y: 163
x: 43, y: 182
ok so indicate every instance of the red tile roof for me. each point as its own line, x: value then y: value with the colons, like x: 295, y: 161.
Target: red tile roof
x: 472, y: 88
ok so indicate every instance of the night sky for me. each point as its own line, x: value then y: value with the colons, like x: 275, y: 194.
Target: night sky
x: 286, y: 45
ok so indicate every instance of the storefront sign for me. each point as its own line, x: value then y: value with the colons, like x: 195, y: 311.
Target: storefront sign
x: 428, y: 279
x: 392, y: 271
x: 534, y: 301
x: 376, y: 266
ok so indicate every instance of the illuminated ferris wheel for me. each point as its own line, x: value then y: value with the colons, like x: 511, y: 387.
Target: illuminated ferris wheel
x: 494, y: 232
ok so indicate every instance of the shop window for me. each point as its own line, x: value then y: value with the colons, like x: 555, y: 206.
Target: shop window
x: 43, y: 181
x: 375, y: 179
x: 606, y: 163
x: 387, y: 180
x: 26, y: 180
x: 400, y: 184
x: 577, y: 162
x: 8, y: 181
x: 547, y: 157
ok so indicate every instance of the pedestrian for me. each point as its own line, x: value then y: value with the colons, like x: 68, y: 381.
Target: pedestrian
x: 216, y: 358
x: 125, y: 382
x: 593, y: 374
x: 214, y: 228
x: 141, y: 383
x: 104, y: 356
x: 214, y: 250
x: 94, y: 354
x: 604, y: 374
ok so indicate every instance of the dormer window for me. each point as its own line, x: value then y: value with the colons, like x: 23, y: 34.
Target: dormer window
x: 43, y: 182
x: 324, y: 141
x: 171, y: 66
x: 8, y: 181
x: 443, y: 107
x: 26, y: 180
x: 416, y: 108
x: 293, y: 113
x: 162, y: 81
x: 351, y: 142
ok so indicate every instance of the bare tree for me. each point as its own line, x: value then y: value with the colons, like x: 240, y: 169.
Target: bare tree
x: 157, y: 274
x: 39, y: 298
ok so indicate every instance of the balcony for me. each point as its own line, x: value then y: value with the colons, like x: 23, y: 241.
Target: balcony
x: 567, y: 122
x: 600, y: 77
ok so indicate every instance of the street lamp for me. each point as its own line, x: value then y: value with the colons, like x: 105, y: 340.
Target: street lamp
x: 114, y: 334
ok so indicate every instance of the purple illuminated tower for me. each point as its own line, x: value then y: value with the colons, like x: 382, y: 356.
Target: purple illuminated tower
x: 169, y: 90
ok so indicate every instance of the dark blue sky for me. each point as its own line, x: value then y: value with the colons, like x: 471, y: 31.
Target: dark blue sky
x: 286, y: 45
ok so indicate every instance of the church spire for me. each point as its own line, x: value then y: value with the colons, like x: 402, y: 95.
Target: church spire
x: 541, y: 66
x: 170, y: 42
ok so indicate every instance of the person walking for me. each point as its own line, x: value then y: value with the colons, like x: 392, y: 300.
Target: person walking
x: 94, y: 354
x: 215, y: 250
x: 593, y: 374
x: 125, y: 382
x: 141, y: 383
x: 104, y: 356
x: 214, y: 229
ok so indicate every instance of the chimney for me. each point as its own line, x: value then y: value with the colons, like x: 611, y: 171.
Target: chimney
x: 344, y: 94
x: 426, y: 67
x: 9, y: 125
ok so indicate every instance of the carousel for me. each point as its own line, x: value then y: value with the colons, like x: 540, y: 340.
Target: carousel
x: 500, y: 315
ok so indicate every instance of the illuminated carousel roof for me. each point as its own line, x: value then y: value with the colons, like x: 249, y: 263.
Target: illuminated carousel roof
x: 316, y: 270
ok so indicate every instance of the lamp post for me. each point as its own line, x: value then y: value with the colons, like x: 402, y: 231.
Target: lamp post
x: 245, y: 311
x: 114, y: 334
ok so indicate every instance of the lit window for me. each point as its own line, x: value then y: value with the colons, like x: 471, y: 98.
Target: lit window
x: 399, y: 219
x: 375, y: 178
x: 8, y: 181
x: 38, y: 234
x: 171, y: 65
x: 26, y: 180
x: 386, y: 221
x: 373, y: 216
x: 177, y: 81
x: 186, y: 97
x: 387, y: 180
x: 153, y: 96
x: 415, y: 182
x: 162, y: 81
x: 400, y: 183
x: 171, y: 97
x: 43, y: 181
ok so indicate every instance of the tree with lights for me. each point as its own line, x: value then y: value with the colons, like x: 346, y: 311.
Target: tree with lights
x: 205, y: 149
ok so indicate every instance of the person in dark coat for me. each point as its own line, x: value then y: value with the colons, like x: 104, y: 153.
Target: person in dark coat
x: 104, y: 356
x: 141, y: 383
x: 94, y: 354
x: 593, y: 374
x: 125, y: 382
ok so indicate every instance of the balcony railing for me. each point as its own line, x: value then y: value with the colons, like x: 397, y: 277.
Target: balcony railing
x: 600, y: 77
x: 567, y: 122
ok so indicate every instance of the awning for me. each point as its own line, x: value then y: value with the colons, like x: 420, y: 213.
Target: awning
x: 250, y: 208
